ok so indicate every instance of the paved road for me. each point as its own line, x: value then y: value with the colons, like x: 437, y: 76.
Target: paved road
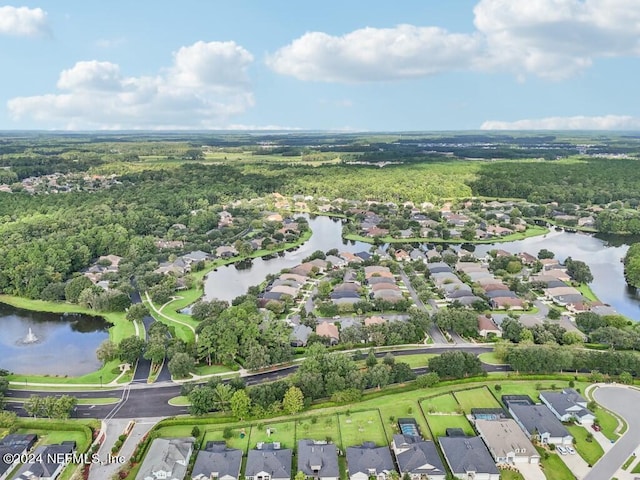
x: 434, y: 332
x: 144, y: 400
x: 624, y: 402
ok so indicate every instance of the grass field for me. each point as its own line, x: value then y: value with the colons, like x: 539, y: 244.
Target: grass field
x: 441, y: 404
x: 510, y: 475
x: 589, y: 451
x: 439, y: 424
x: 415, y: 361
x: 322, y: 428
x: 283, y: 432
x: 490, y: 358
x: 476, y: 398
x: 234, y: 442
x: 553, y: 466
x: 362, y: 427
x: 107, y: 373
x: 608, y: 423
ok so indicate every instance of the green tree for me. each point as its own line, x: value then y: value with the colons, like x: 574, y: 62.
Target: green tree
x: 74, y: 288
x: 578, y: 270
x: 222, y: 394
x: 130, y: 349
x: 201, y: 400
x: 137, y: 312
x: 240, y: 404
x: 181, y: 365
x: 545, y: 254
x: 293, y: 401
x: 107, y: 351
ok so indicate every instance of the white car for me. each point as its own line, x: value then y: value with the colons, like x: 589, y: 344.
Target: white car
x: 571, y: 450
x: 561, y: 450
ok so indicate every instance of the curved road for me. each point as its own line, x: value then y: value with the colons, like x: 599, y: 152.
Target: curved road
x: 623, y: 401
x: 144, y: 400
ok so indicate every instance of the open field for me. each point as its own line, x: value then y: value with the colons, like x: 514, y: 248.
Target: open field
x: 490, y: 358
x: 441, y: 404
x: 359, y: 427
x: 476, y: 398
x: 105, y: 375
x: 234, y: 442
x: 319, y: 428
x: 283, y: 432
x: 439, y: 424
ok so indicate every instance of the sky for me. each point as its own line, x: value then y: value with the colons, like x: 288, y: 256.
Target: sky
x: 349, y: 65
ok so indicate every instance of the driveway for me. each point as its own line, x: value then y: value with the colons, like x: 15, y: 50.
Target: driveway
x: 622, y: 401
x: 576, y: 464
x: 531, y: 471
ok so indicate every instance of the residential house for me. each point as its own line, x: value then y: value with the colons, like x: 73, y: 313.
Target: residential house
x: 167, y: 459
x: 468, y: 457
x: 300, y: 335
x: 402, y: 256
x: 328, y: 330
x: 13, y: 446
x: 217, y: 461
x: 367, y: 461
x: 568, y: 405
x: 500, y: 303
x: 318, y: 460
x: 226, y: 251
x: 196, y: 256
x: 268, y: 462
x: 374, y: 321
x: 507, y: 442
x: 417, y: 457
x: 540, y: 423
x: 486, y: 327
x: 49, y: 462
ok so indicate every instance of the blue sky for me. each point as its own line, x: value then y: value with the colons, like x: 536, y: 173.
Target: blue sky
x: 330, y: 65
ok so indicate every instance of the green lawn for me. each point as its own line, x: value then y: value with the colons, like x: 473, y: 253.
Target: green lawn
x: 586, y: 291
x: 441, y: 404
x: 476, y: 398
x: 510, y: 475
x: 440, y: 423
x: 234, y: 442
x: 415, y: 361
x: 490, y: 358
x: 266, y: 432
x: 107, y: 372
x: 607, y: 422
x: 589, y: 451
x: 362, y: 427
x: 553, y: 466
x: 636, y: 469
x: 324, y: 427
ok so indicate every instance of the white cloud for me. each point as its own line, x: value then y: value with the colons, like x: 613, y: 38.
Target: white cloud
x: 556, y: 39
x: 604, y: 122
x: 206, y: 84
x: 23, y: 21
x: 108, y: 43
x: 551, y: 39
x: 375, y: 54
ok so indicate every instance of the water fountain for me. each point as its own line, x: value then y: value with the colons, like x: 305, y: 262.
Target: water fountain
x: 30, y: 338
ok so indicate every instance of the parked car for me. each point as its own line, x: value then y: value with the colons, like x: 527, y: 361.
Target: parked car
x: 571, y: 450
x: 596, y: 427
x: 561, y: 450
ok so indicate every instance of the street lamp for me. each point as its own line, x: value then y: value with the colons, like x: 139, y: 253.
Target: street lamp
x: 100, y: 381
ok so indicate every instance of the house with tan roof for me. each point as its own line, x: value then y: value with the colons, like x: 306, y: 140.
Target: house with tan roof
x: 328, y: 330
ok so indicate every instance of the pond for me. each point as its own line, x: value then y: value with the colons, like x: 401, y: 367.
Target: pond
x: 49, y: 343
x: 601, y: 254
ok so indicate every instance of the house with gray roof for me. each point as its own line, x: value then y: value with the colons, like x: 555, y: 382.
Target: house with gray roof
x: 269, y: 462
x: 167, y: 459
x: 14, y: 445
x: 318, y: 460
x: 50, y: 461
x: 300, y: 335
x: 568, y: 405
x: 418, y: 458
x: 218, y: 461
x: 468, y: 457
x: 507, y: 442
x: 368, y: 461
x: 539, y: 423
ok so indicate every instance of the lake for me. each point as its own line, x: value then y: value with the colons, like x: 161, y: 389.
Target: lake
x: 601, y: 254
x: 228, y: 282
x: 66, y: 344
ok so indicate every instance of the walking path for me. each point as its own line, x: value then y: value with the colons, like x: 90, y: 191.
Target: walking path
x: 159, y: 312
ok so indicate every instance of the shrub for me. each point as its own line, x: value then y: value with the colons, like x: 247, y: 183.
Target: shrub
x: 497, y: 387
x: 227, y: 433
x: 195, y: 432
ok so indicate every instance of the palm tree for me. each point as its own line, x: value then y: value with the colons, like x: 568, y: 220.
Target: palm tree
x: 222, y: 394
